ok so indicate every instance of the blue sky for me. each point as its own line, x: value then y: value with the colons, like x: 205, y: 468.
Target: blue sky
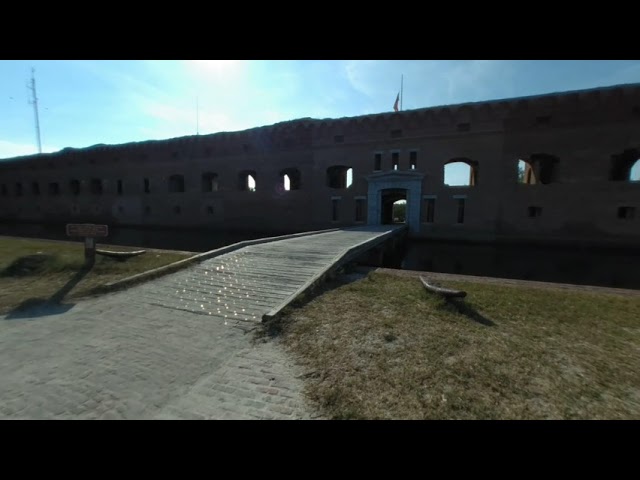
x: 84, y: 103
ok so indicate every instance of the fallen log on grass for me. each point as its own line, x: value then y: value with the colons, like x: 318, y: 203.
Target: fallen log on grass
x: 445, y: 292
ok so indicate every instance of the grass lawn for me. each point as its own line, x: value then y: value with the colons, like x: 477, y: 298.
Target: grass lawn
x: 384, y: 348
x: 32, y: 271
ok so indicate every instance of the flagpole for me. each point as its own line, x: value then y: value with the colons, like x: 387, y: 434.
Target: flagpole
x: 401, y: 88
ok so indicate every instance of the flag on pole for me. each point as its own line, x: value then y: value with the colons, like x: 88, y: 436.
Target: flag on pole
x: 395, y: 105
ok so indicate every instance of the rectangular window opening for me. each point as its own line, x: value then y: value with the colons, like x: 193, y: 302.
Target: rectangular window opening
x: 626, y: 213
x: 119, y: 187
x: 431, y: 209
x: 460, y: 210
x: 413, y: 160
x: 377, y: 161
x: 395, y: 160
x: 359, y: 210
x: 334, y: 210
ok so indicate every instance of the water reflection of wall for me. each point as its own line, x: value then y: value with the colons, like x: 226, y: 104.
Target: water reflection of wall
x: 616, y: 268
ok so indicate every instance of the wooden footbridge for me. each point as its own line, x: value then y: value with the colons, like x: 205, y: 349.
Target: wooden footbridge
x: 255, y: 282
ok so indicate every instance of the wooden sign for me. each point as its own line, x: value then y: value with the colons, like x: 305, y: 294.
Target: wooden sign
x: 87, y: 230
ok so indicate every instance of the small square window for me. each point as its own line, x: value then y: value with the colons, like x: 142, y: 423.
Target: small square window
x: 534, y: 211
x: 626, y: 213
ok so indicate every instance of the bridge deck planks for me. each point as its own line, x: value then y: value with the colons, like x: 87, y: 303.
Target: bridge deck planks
x: 261, y: 277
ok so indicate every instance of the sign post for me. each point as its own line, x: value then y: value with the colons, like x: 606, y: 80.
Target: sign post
x: 89, y: 231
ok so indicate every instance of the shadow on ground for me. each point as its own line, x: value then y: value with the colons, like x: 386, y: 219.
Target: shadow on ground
x: 467, y: 310
x: 344, y: 276
x: 41, y: 307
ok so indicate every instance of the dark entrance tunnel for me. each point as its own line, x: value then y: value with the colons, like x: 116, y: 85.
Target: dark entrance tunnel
x: 389, y: 197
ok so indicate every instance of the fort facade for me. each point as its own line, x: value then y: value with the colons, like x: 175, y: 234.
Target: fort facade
x: 575, y: 151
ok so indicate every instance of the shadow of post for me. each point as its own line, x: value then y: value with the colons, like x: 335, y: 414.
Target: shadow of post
x: 40, y: 307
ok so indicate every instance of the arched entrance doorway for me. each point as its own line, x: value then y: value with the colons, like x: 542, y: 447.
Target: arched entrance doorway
x: 385, y: 188
x: 390, y: 198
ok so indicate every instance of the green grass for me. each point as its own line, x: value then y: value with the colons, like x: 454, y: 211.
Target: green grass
x: 33, y: 271
x: 384, y: 348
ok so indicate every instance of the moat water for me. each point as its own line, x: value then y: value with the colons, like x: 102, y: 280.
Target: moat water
x: 586, y: 266
x: 583, y: 266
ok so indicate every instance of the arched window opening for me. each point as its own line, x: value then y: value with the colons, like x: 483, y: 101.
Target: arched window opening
x: 247, y: 181
x: 339, y: 176
x: 544, y: 166
x: 625, y: 166
x: 209, y: 182
x: 74, y: 187
x: 461, y: 173
x: 290, y: 179
x: 526, y: 173
x: 634, y: 172
x: 176, y: 184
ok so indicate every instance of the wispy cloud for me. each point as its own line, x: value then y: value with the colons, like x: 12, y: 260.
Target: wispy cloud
x: 360, y: 74
x: 475, y: 80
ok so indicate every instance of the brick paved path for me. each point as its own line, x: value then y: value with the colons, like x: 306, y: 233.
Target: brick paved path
x: 119, y: 356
